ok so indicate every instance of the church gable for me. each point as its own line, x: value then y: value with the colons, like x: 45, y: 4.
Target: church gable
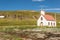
x: 42, y: 18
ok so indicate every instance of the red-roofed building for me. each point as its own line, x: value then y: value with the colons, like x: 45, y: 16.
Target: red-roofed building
x: 46, y: 20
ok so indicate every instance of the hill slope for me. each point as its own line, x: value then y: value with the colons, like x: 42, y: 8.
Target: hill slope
x: 22, y: 17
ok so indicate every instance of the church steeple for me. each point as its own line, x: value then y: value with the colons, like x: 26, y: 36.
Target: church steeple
x: 42, y: 12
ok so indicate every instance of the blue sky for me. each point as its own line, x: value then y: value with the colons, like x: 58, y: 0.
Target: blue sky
x: 51, y: 5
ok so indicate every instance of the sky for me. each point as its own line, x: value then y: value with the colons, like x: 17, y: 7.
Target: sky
x: 48, y: 5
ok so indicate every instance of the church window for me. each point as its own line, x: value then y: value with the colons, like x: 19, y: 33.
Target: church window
x: 48, y: 23
x: 41, y: 18
x: 51, y: 23
x: 54, y: 23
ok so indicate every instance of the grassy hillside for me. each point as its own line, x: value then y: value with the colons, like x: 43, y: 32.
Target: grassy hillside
x: 15, y: 21
x: 13, y: 18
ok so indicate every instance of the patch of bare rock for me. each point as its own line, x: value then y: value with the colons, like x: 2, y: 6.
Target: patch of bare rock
x: 40, y: 35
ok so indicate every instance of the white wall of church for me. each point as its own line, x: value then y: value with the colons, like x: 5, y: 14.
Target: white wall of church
x: 45, y: 22
x: 52, y: 23
x: 39, y: 21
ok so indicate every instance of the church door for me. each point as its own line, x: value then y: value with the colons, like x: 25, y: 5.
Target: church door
x: 41, y: 24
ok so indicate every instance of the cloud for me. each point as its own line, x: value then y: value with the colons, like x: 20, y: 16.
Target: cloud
x: 38, y: 0
x: 42, y: 6
x: 52, y: 9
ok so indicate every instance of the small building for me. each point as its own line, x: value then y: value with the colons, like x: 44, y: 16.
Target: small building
x: 2, y: 16
x: 46, y: 20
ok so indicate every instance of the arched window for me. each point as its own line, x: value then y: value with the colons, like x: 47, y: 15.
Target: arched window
x: 54, y: 24
x: 41, y: 22
x: 41, y: 18
x: 51, y: 23
x: 48, y: 23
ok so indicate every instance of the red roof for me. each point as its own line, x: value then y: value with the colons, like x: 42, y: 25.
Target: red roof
x: 49, y: 17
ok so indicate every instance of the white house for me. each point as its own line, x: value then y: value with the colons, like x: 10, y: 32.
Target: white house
x: 46, y: 20
x: 2, y: 16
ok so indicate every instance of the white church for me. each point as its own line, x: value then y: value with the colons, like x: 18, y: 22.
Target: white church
x: 46, y: 20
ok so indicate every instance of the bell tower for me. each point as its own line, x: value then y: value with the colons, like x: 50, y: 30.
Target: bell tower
x: 42, y: 12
